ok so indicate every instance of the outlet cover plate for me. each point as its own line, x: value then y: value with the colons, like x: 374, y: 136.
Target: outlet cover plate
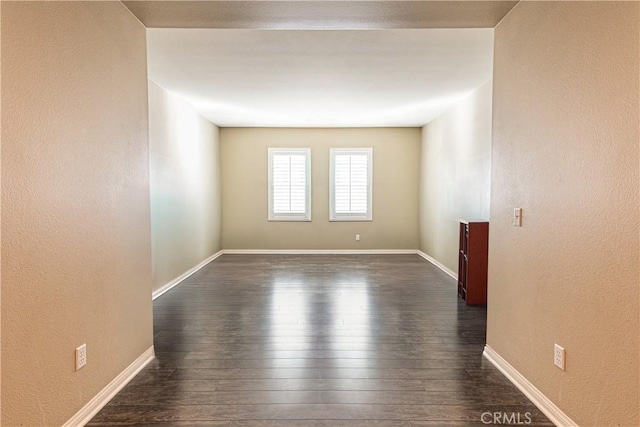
x: 81, y: 356
x: 558, y: 356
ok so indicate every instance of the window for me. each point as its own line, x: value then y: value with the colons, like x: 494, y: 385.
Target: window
x: 289, y: 184
x: 351, y: 182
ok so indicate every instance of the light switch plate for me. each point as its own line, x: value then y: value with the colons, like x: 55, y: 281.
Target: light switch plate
x: 517, y: 217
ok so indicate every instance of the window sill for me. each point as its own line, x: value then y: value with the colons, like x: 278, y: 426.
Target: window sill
x: 288, y: 219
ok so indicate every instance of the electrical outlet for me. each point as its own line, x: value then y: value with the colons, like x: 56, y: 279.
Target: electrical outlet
x: 81, y: 356
x: 558, y: 356
x: 357, y: 237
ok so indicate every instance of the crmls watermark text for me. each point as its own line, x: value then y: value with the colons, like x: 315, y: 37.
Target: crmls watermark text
x: 506, y: 418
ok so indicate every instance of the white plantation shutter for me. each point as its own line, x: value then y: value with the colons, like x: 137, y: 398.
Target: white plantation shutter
x: 289, y: 186
x: 351, y: 172
x: 289, y: 183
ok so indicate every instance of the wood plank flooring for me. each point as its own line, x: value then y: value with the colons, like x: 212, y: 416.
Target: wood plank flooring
x: 317, y: 341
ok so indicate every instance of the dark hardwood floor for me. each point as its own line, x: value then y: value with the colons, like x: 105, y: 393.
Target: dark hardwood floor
x: 318, y: 341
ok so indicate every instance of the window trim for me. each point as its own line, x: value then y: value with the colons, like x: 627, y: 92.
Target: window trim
x: 292, y: 217
x: 336, y: 217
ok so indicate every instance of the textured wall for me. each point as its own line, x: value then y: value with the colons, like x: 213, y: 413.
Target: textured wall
x: 185, y: 186
x: 396, y: 161
x: 565, y: 149
x: 76, y: 263
x: 455, y: 174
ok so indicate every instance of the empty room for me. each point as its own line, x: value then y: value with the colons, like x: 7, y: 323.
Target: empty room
x: 320, y: 213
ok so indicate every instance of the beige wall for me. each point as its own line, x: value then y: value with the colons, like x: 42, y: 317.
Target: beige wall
x: 76, y: 264
x: 565, y: 149
x: 0, y: 215
x: 455, y: 174
x: 185, y: 186
x: 396, y: 161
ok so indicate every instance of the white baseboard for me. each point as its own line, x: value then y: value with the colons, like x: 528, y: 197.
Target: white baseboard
x: 88, y: 411
x: 438, y: 264
x: 319, y: 251
x: 184, y: 275
x: 543, y: 403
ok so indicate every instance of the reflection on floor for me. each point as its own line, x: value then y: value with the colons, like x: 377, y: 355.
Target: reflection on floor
x: 318, y: 340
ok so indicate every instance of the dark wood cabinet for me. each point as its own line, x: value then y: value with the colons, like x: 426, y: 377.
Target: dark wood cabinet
x: 472, y: 262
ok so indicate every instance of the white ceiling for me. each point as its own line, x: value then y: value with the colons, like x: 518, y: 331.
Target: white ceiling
x: 320, y: 14
x: 312, y: 78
